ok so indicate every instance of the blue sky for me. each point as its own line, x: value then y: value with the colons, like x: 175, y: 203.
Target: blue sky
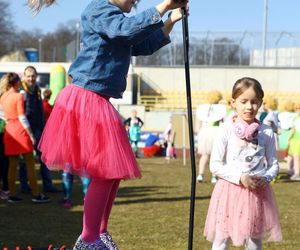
x: 216, y: 15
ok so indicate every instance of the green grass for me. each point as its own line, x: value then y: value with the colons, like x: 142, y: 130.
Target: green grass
x: 149, y: 213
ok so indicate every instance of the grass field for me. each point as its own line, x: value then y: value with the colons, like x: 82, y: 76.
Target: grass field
x: 149, y: 213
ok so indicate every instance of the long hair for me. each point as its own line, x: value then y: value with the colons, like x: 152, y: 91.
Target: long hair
x: 7, y: 81
x: 36, y: 5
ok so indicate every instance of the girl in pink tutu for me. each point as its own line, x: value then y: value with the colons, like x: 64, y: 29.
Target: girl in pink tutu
x: 242, y: 208
x: 84, y: 130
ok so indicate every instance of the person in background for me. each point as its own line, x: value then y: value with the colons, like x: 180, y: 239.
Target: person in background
x: 242, y: 207
x: 18, y: 137
x: 271, y: 119
x: 134, y: 125
x: 169, y: 141
x: 67, y: 182
x: 87, y: 131
x: 294, y: 143
x: 4, y: 193
x: 36, y: 118
x: 208, y: 118
x: 46, y: 105
x: 286, y: 120
x: 152, y: 146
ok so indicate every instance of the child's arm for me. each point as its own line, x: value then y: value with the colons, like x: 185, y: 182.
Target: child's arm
x: 218, y: 165
x: 271, y: 156
x: 110, y: 22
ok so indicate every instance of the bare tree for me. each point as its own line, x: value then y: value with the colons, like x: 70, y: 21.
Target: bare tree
x: 6, y: 28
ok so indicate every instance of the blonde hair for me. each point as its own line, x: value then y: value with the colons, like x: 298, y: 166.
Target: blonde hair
x: 289, y: 106
x: 297, y: 105
x: 36, y: 5
x: 7, y: 81
x: 214, y: 97
x: 270, y: 102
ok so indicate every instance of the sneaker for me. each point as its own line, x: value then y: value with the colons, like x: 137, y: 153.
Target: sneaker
x: 108, y: 241
x: 41, y: 198
x: 4, y: 195
x: 66, y: 203
x: 295, y: 177
x: 213, y: 180
x: 96, y: 245
x: 200, y: 178
x: 14, y: 199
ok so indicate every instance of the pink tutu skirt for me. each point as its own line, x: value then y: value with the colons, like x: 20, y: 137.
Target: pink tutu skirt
x: 85, y: 135
x: 236, y: 213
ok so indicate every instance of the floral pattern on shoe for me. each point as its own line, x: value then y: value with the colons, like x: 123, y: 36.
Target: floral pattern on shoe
x: 96, y: 245
x: 108, y: 241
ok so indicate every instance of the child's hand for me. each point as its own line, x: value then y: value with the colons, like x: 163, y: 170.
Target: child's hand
x: 176, y: 15
x: 261, y: 181
x: 249, y: 182
x: 167, y: 5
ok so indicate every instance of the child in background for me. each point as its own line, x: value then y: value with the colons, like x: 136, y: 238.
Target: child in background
x: 294, y: 144
x: 4, y: 194
x: 286, y: 119
x: 85, y: 128
x: 242, y: 208
x: 208, y: 118
x: 169, y: 141
x: 46, y: 105
x: 67, y: 182
x: 271, y: 119
x: 134, y: 124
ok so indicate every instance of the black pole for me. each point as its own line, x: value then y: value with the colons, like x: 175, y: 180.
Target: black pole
x: 190, y: 123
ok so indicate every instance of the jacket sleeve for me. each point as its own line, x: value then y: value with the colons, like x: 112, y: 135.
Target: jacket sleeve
x: 110, y: 22
x: 218, y: 165
x: 271, y: 152
x: 151, y: 44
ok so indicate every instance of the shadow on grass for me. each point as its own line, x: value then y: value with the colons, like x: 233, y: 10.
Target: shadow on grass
x: 164, y: 199
x: 146, y: 194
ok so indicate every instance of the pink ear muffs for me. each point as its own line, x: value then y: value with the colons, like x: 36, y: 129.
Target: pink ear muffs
x: 246, y: 131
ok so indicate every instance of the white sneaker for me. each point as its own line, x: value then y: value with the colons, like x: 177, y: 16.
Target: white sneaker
x: 295, y: 177
x: 200, y: 178
x: 214, y: 180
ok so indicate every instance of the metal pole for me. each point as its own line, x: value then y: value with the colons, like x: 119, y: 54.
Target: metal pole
x: 190, y: 124
x: 40, y: 49
x: 264, y: 37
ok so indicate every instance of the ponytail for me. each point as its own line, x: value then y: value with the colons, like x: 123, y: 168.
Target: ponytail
x: 36, y: 5
x: 7, y: 81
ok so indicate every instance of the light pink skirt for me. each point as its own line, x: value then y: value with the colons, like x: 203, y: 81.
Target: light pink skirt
x: 239, y: 214
x: 85, y: 134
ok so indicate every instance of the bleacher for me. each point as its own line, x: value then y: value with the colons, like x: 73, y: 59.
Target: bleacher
x: 171, y: 100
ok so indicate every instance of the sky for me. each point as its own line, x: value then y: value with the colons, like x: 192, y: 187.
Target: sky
x: 214, y: 15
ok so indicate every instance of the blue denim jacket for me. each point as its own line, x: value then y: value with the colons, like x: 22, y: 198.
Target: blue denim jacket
x: 109, y: 38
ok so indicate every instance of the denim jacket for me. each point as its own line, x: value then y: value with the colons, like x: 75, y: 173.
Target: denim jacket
x: 108, y: 40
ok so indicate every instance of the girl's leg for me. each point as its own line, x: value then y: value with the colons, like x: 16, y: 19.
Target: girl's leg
x: 4, y: 172
x: 253, y: 244
x: 31, y: 173
x: 135, y: 148
x: 297, y: 165
x: 85, y: 184
x: 12, y: 172
x: 112, y: 196
x: 204, y: 158
x: 95, y: 203
x: 67, y: 182
x: 220, y: 244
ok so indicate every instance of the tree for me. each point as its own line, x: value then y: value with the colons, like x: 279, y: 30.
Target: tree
x: 6, y: 27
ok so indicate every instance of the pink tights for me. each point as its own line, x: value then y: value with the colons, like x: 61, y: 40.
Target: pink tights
x: 97, y: 207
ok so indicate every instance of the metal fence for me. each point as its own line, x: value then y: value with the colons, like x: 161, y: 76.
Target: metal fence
x: 219, y: 47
